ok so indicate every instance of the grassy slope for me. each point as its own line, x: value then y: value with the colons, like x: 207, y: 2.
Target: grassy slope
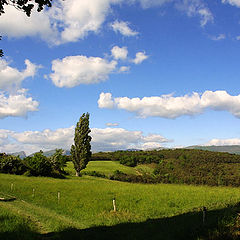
x: 87, y: 202
x: 105, y: 167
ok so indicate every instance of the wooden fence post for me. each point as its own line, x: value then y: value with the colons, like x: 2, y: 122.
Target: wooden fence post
x: 58, y: 197
x: 114, y: 205
x: 33, y: 193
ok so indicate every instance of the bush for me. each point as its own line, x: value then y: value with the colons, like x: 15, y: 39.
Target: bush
x: 38, y: 165
x: 58, y: 161
x: 129, y: 161
x: 94, y: 174
x: 11, y: 164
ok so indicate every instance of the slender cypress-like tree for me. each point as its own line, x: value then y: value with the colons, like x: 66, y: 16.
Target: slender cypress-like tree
x: 81, y: 149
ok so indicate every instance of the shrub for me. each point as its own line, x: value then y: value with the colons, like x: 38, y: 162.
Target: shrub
x: 38, y: 165
x: 12, y: 164
x: 94, y: 174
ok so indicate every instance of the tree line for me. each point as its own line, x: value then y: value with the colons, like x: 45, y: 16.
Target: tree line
x: 187, y: 166
x: 40, y: 165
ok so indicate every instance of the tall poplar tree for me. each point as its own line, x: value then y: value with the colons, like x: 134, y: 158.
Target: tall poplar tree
x: 81, y: 149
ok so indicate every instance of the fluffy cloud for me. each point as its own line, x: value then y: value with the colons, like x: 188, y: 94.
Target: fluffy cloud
x: 65, y: 21
x: 232, y: 2
x: 16, y: 105
x: 123, y: 69
x: 109, y: 139
x: 72, y: 20
x: 14, y: 101
x: 15, y: 23
x: 105, y: 100
x: 79, y: 18
x: 123, y: 28
x: 168, y: 106
x: 140, y: 57
x: 33, y: 141
x: 11, y: 78
x: 75, y: 70
x: 46, y: 138
x: 119, y: 53
x: 223, y: 142
x: 103, y: 139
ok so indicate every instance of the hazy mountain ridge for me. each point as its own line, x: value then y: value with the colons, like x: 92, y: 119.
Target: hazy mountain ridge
x: 226, y: 148
x: 21, y: 154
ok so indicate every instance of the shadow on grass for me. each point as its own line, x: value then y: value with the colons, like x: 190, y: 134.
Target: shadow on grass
x: 7, y: 199
x: 187, y: 226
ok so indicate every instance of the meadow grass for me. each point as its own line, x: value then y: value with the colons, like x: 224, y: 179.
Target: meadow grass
x: 86, y: 202
x: 14, y: 226
x: 104, y: 167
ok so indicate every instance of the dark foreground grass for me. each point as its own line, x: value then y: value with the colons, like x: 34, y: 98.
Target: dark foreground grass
x: 84, y: 210
x: 219, y: 225
x: 15, y: 227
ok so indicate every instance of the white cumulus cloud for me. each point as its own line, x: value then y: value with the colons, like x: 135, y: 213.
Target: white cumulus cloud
x: 119, y: 52
x: 65, y: 21
x: 223, y: 142
x: 105, y: 100
x: 75, y: 70
x: 11, y: 78
x: 123, y: 69
x: 16, y: 105
x: 73, y: 20
x: 103, y: 139
x: 168, y: 106
x: 140, y: 57
x: 232, y: 2
x: 110, y: 139
x: 123, y: 28
x: 15, y: 23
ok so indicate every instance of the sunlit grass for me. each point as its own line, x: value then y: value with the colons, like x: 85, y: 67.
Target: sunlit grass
x: 49, y: 204
x: 104, y: 167
x: 87, y: 201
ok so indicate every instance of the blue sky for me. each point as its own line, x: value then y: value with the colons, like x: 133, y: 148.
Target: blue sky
x: 151, y: 73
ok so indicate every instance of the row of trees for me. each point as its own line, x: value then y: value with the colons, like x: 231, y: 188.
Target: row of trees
x: 36, y: 165
x: 189, y: 166
x: 40, y: 165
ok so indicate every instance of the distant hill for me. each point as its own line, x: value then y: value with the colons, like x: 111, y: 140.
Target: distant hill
x: 21, y: 154
x: 132, y: 149
x: 51, y: 152
x: 227, y: 148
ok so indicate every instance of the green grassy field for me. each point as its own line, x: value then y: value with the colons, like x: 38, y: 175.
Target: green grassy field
x: 104, y: 167
x: 86, y: 203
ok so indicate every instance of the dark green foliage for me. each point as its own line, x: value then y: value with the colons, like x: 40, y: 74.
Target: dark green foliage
x: 58, y: 161
x: 81, y: 150
x: 11, y: 164
x: 129, y: 161
x: 188, y: 166
x: 95, y: 174
x: 38, y: 165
